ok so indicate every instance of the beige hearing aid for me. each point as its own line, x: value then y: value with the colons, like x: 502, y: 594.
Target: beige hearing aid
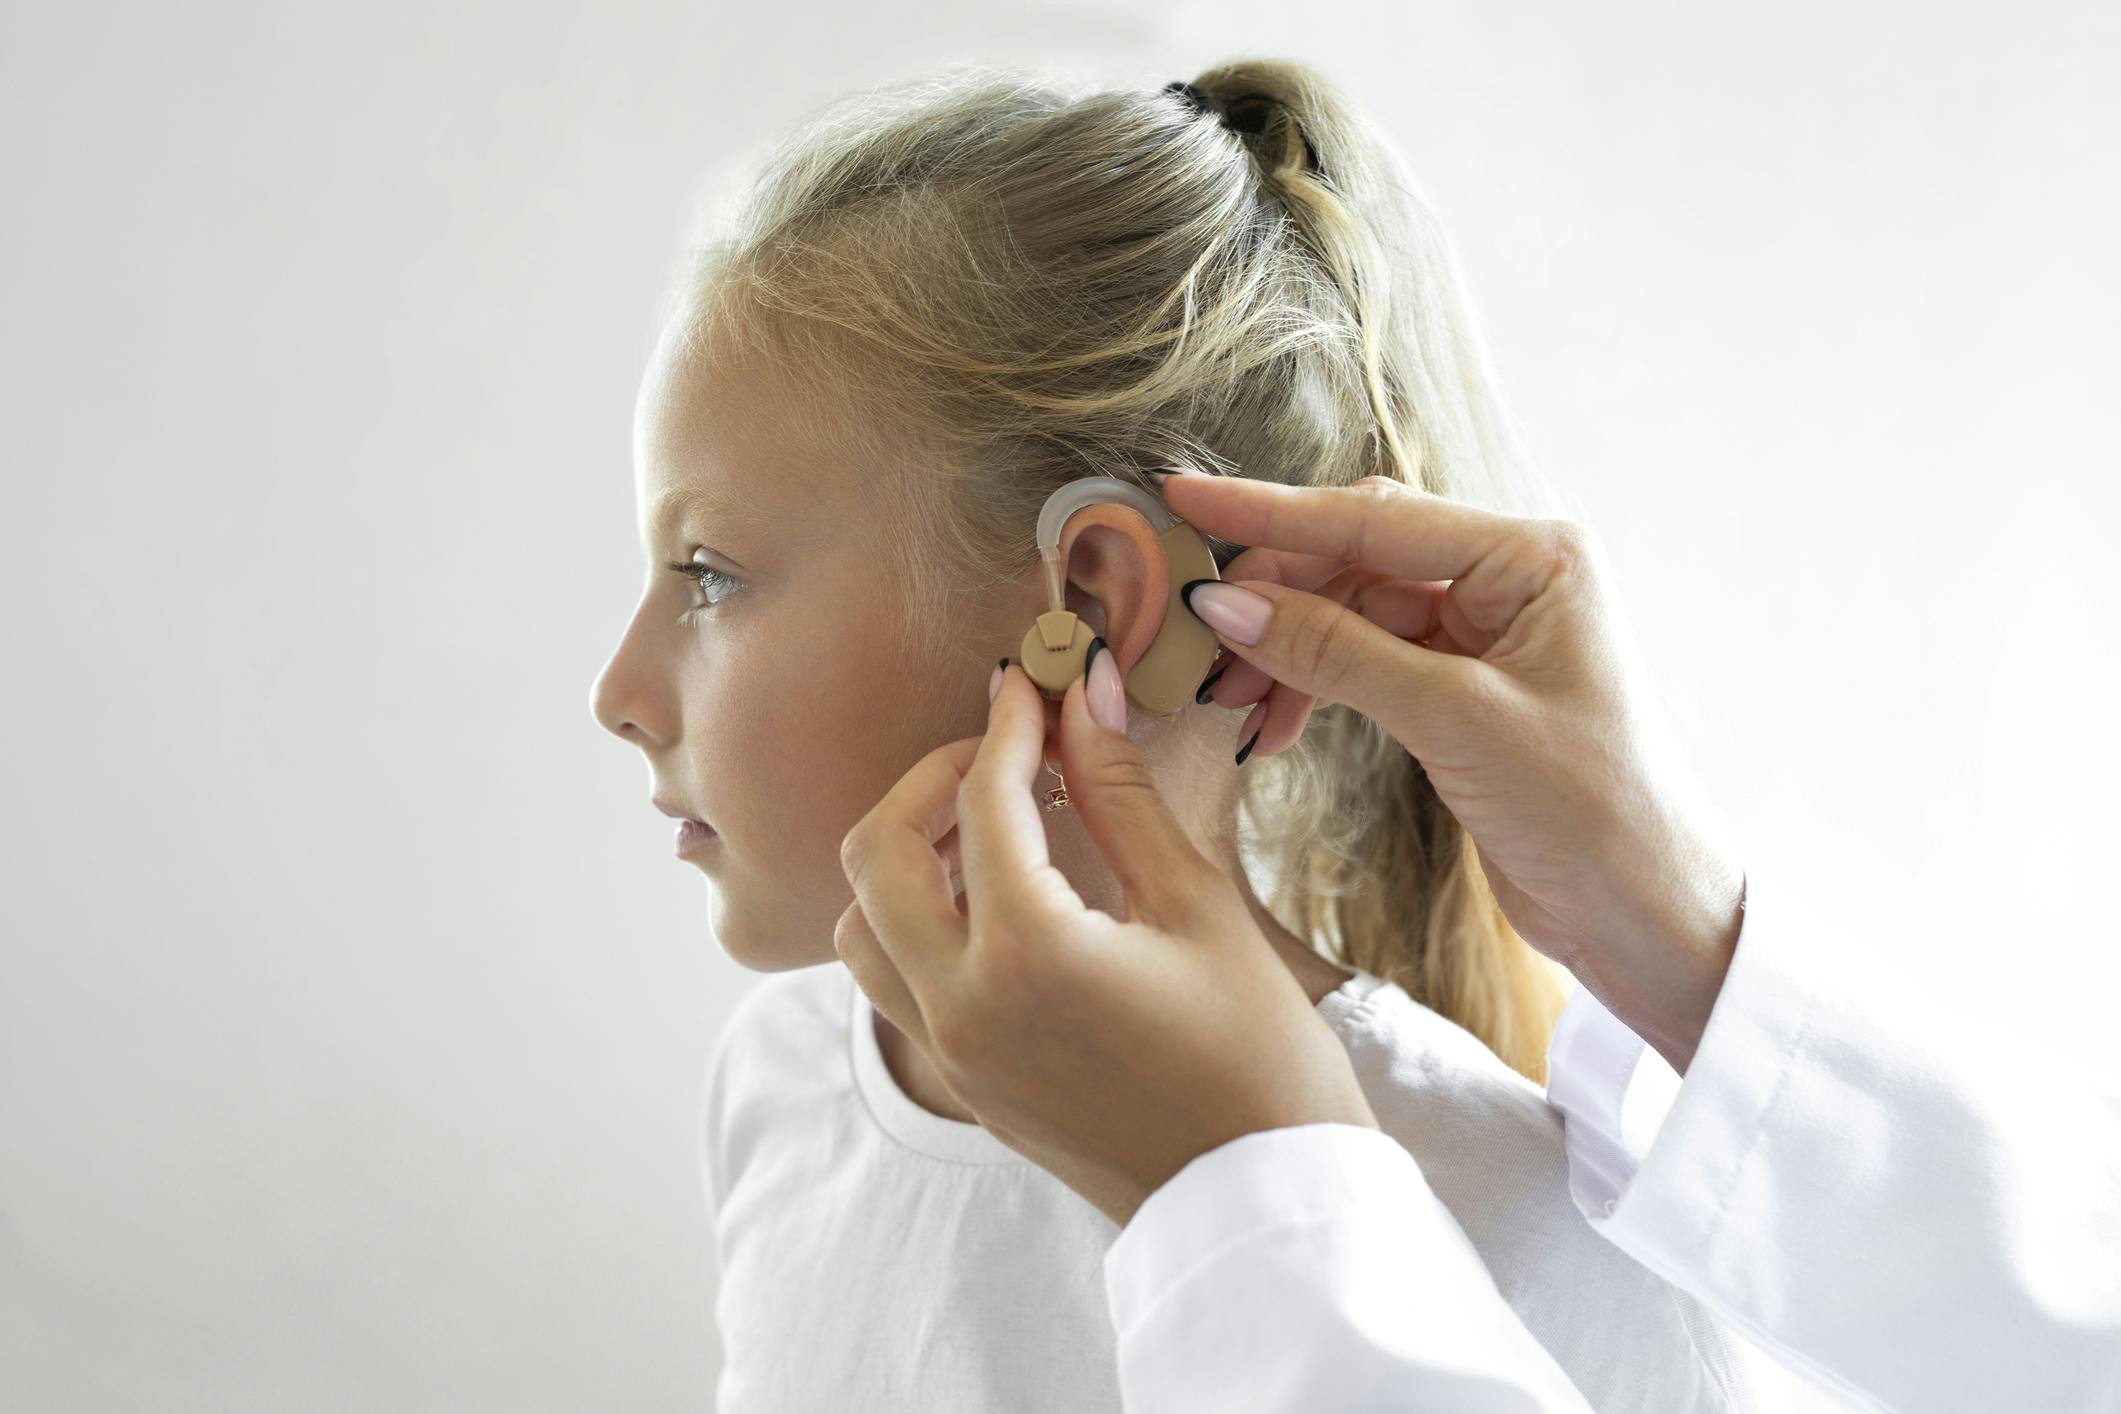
x: 1055, y: 648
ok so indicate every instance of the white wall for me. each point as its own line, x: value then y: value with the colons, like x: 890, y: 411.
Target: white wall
x: 351, y: 1009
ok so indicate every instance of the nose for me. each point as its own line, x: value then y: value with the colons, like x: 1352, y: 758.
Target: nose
x: 626, y: 701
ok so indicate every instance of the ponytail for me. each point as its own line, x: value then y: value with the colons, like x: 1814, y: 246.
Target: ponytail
x: 1363, y: 857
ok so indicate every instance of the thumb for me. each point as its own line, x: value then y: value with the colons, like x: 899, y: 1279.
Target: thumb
x: 1324, y: 649
x: 1112, y: 788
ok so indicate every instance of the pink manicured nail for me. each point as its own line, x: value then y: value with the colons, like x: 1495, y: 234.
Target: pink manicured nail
x: 1230, y: 609
x: 1107, y: 698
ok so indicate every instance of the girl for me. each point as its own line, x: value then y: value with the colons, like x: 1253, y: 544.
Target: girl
x: 941, y: 302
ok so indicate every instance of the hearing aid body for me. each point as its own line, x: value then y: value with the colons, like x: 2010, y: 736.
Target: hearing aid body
x: 1057, y: 645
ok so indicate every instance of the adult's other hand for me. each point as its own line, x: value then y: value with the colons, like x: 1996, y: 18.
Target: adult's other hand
x: 1492, y: 647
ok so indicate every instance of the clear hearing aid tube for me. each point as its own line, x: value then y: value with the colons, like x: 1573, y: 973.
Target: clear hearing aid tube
x: 1089, y: 491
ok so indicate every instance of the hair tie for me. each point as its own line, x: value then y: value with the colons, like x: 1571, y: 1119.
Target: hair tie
x: 1252, y: 116
x: 1191, y: 94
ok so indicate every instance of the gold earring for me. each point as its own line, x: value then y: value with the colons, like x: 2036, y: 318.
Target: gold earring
x: 1056, y: 796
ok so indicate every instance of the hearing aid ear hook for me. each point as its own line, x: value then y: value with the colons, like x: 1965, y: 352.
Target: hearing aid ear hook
x: 1057, y: 645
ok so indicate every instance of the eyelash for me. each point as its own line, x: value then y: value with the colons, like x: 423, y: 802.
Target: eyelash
x: 703, y: 575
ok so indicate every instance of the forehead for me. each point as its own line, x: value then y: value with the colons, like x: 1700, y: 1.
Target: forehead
x: 728, y: 443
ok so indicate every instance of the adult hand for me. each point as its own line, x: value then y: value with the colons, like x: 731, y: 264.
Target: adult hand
x: 1110, y: 1051
x: 1492, y: 648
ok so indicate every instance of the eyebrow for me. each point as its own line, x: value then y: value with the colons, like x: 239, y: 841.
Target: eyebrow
x: 698, y: 506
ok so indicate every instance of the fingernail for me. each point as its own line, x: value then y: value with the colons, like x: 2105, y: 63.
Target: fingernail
x: 1250, y: 730
x: 1159, y: 474
x: 1107, y: 698
x: 1229, y: 609
x: 994, y: 680
x: 1200, y: 694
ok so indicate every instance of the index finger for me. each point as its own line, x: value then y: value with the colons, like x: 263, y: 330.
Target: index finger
x: 1404, y: 607
x: 1376, y: 522
x: 899, y: 876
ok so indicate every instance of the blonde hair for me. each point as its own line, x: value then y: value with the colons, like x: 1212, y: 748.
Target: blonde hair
x: 1013, y: 285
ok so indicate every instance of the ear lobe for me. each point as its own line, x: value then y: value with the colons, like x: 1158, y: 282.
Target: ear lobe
x: 1110, y: 554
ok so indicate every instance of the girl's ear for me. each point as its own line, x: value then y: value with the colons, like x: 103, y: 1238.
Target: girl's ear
x: 1118, y: 578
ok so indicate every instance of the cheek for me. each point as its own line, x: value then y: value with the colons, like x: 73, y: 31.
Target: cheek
x: 801, y: 739
x: 803, y: 733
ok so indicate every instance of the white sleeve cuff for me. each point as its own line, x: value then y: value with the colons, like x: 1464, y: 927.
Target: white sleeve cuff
x: 1664, y: 1212
x: 1253, y: 1183
x: 1309, y: 1268
x: 1591, y: 1061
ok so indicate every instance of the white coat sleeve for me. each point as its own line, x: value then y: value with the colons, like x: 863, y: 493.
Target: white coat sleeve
x: 1922, y: 1215
x: 1312, y: 1268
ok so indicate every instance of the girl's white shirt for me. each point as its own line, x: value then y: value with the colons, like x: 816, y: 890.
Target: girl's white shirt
x: 877, y: 1256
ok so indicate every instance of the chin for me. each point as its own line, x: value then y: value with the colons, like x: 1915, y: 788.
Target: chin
x: 781, y: 958
x: 774, y: 944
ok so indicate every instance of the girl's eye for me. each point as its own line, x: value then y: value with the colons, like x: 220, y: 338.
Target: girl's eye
x: 714, y: 585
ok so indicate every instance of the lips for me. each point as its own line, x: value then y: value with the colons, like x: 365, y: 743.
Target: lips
x: 693, y: 833
x: 692, y: 836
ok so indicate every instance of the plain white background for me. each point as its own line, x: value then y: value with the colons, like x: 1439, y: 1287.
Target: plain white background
x: 352, y: 1009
